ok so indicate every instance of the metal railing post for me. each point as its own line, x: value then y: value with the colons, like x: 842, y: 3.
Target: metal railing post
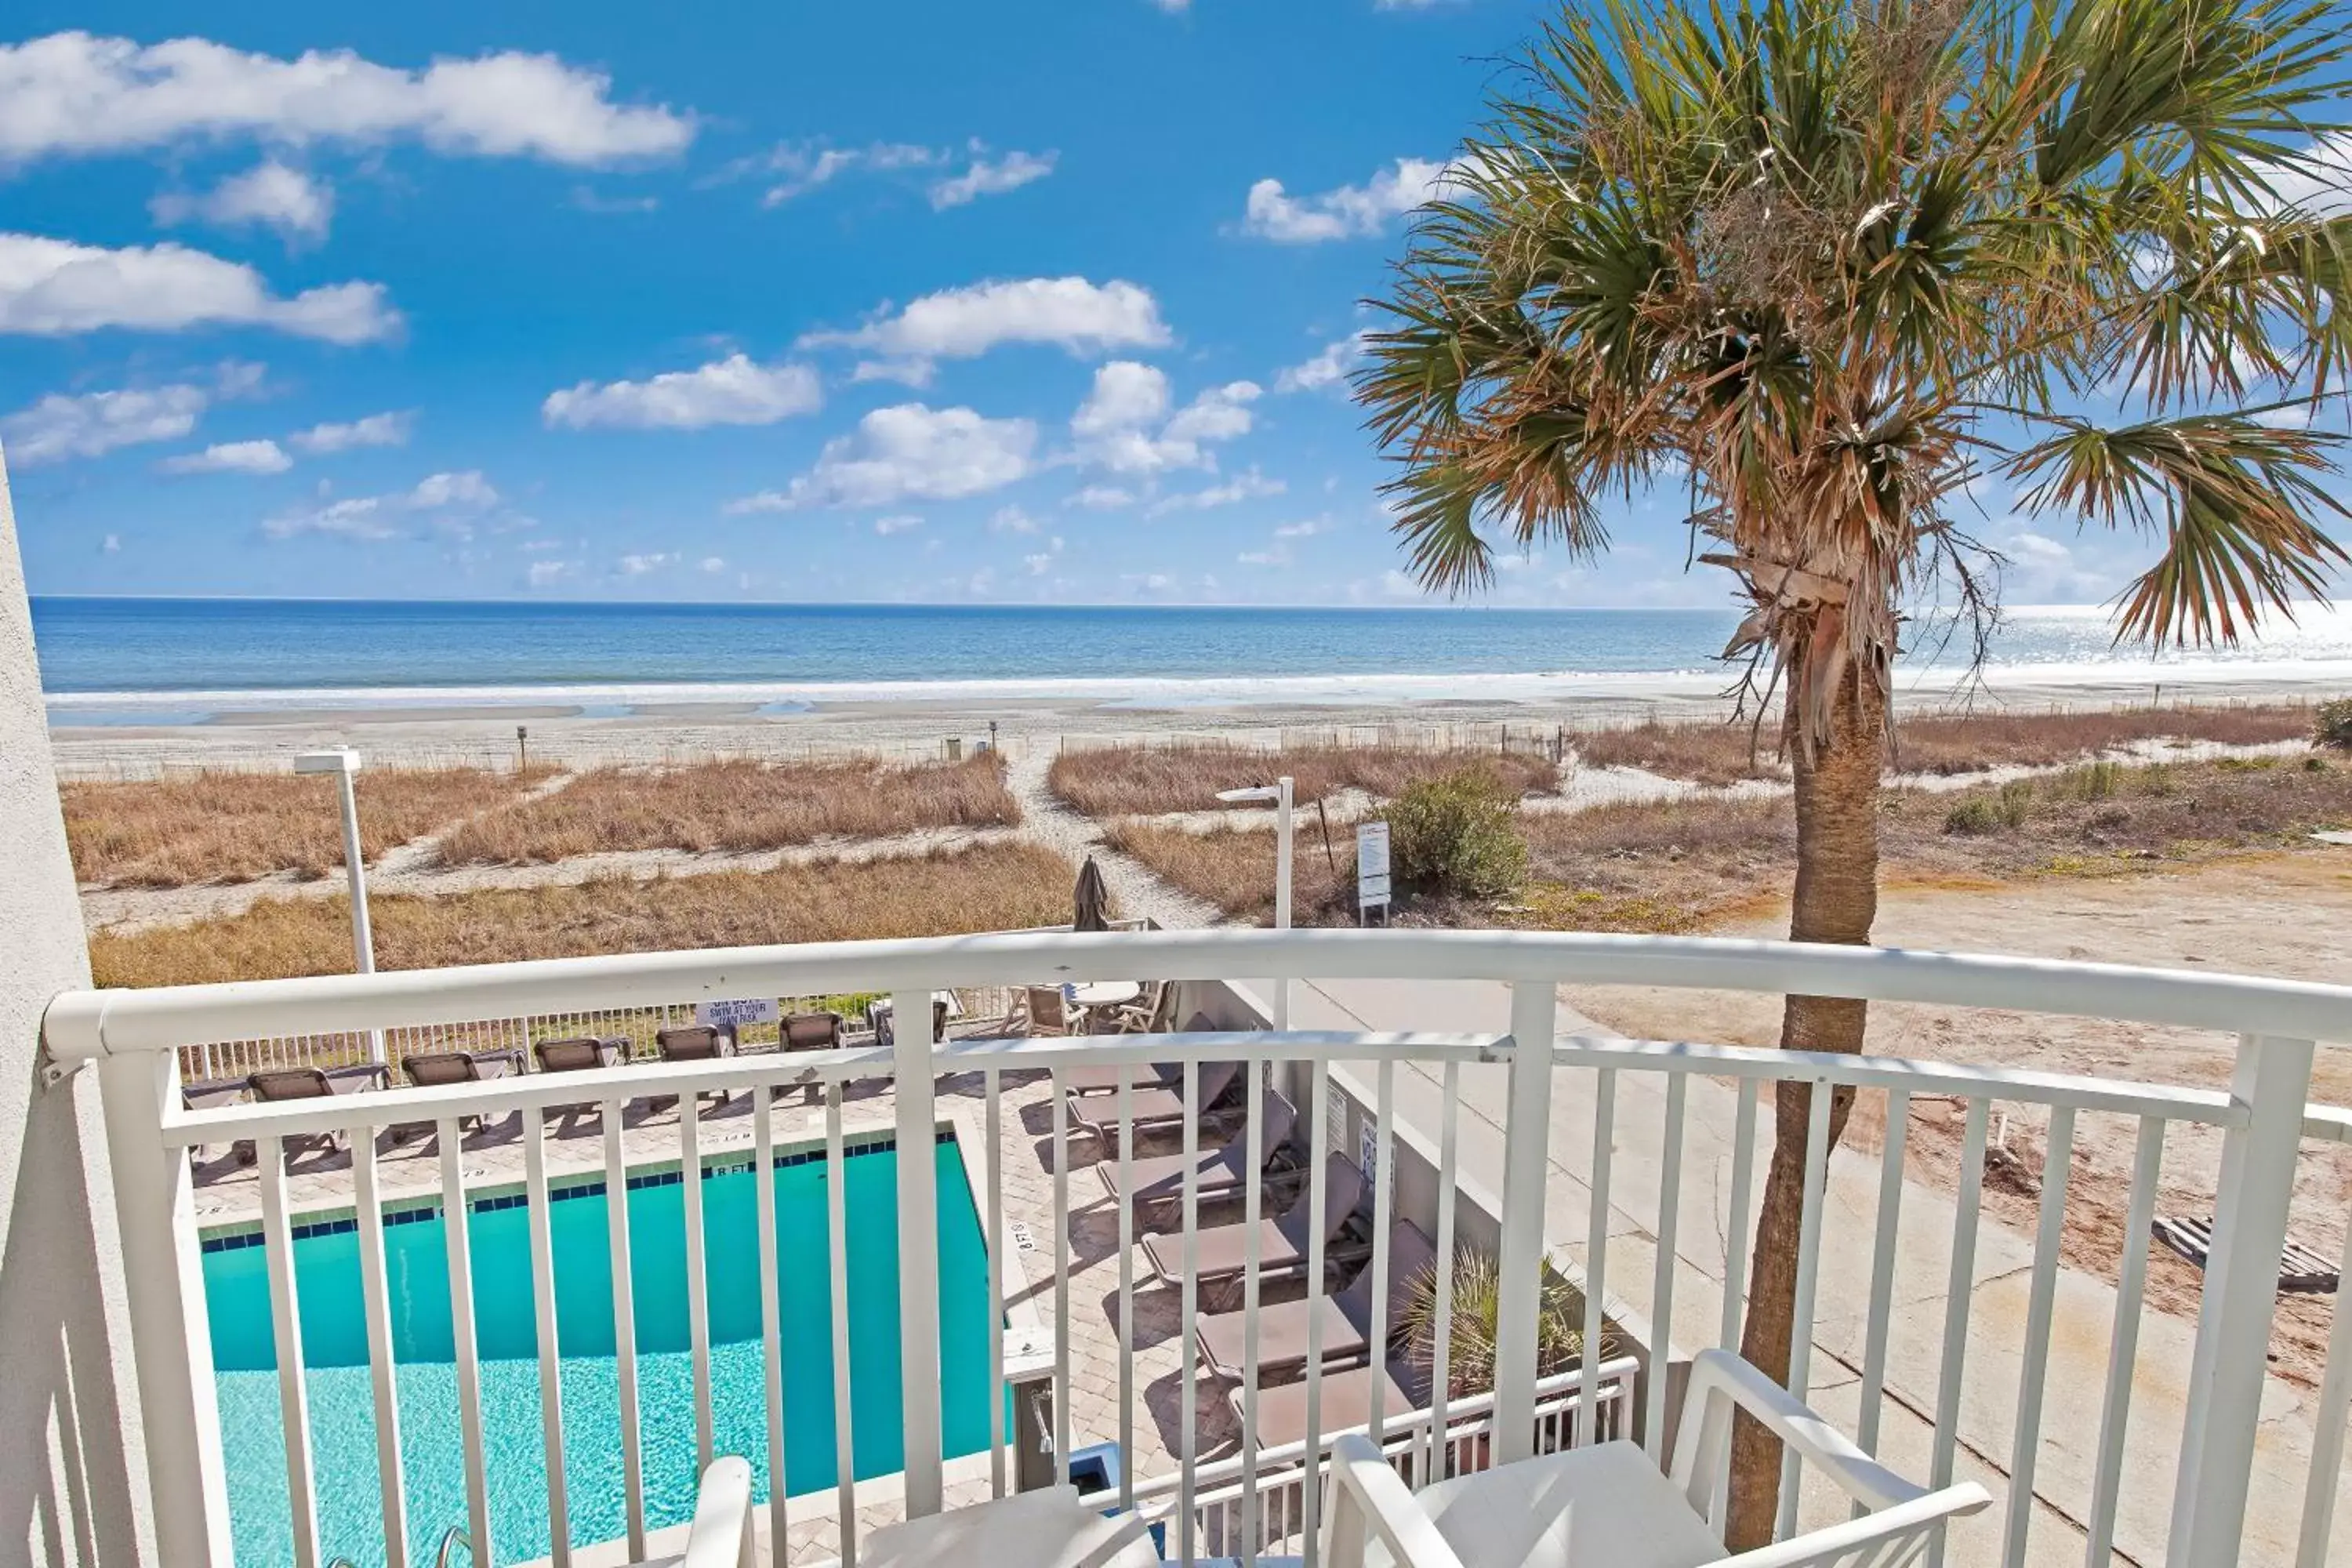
x: 171, y: 1340
x: 913, y: 1041
x: 1526, y: 1165
x: 2272, y: 1080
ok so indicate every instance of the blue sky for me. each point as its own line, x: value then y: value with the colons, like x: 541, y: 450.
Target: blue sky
x: 944, y: 303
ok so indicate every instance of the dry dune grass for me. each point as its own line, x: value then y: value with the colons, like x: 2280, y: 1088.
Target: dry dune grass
x: 1147, y: 781
x: 1682, y: 866
x: 231, y: 827
x: 1233, y: 866
x: 984, y: 888
x: 738, y: 804
x: 1679, y: 865
x: 1968, y: 742
x: 1712, y: 753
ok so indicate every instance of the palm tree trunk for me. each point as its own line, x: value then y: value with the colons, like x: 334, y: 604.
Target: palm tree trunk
x: 1836, y: 899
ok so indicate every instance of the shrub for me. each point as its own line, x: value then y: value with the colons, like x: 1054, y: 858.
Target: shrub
x: 2332, y: 724
x: 1475, y: 1310
x: 1972, y: 816
x: 2008, y: 807
x: 1458, y: 833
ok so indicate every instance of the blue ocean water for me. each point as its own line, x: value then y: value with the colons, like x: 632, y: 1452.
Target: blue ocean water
x: 164, y: 651
x: 341, y: 1400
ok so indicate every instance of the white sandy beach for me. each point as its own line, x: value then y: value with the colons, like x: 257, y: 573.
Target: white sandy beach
x: 647, y: 724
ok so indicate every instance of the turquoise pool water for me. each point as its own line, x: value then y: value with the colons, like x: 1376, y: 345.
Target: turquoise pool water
x: 342, y: 1415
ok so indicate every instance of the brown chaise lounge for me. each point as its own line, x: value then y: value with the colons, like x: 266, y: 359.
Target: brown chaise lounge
x: 580, y: 1053
x: 274, y: 1084
x: 1221, y: 1253
x: 1151, y: 1110
x: 1344, y: 1402
x: 425, y: 1069
x: 1159, y: 1179
x: 1282, y: 1328
x: 694, y: 1042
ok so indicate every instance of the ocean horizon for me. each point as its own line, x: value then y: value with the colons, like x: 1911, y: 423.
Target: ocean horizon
x: 178, y: 660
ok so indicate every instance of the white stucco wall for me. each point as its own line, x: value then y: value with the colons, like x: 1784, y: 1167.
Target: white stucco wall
x: 72, y: 1483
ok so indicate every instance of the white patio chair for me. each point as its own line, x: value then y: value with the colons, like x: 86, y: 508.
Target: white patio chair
x: 720, y: 1536
x: 1049, y: 1528
x: 1608, y: 1504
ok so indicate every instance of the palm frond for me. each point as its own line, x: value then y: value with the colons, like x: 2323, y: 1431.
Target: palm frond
x: 2233, y: 499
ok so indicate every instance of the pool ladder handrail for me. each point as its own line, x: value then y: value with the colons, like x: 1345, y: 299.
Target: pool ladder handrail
x: 455, y: 1536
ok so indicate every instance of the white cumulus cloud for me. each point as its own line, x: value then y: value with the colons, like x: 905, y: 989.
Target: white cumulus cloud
x: 93, y: 423
x: 76, y: 94
x: 1326, y: 369
x: 897, y: 524
x: 354, y: 517
x: 438, y: 492
x: 1124, y: 424
x: 271, y: 195
x: 52, y: 287
x: 1347, y: 212
x: 732, y: 391
x: 992, y: 178
x: 449, y: 495
x: 1071, y: 313
x: 908, y: 452
x: 638, y: 566
x: 1251, y: 485
x: 232, y: 457
x: 389, y: 429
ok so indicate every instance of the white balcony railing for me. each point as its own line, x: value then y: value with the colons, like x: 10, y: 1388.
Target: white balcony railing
x: 1110, y: 1373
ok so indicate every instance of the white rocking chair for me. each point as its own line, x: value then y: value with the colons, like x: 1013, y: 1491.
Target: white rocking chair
x: 1609, y: 1504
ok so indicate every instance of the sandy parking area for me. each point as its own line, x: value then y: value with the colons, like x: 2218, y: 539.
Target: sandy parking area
x: 2283, y: 914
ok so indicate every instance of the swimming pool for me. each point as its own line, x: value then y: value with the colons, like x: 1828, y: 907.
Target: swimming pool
x: 342, y: 1411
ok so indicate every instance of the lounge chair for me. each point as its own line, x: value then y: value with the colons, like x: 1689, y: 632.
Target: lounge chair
x: 580, y: 1053
x: 1089, y: 1082
x: 211, y: 1094
x: 1221, y: 1253
x: 1609, y: 1502
x: 271, y: 1085
x: 1282, y: 1328
x: 1159, y: 1179
x: 694, y: 1042
x: 1344, y: 1402
x: 428, y: 1068
x: 1151, y: 1110
x: 809, y: 1032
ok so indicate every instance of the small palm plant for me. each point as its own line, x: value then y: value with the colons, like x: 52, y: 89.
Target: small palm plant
x: 1831, y: 266
x: 1470, y: 1338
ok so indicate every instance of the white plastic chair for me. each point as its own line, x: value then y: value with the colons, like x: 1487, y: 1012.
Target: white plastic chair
x: 1609, y: 1504
x: 720, y: 1536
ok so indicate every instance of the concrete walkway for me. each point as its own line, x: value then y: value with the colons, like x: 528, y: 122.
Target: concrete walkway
x: 2082, y: 1321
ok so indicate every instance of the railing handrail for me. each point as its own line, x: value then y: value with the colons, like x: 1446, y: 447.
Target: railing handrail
x: 87, y: 1024
x: 772, y: 1069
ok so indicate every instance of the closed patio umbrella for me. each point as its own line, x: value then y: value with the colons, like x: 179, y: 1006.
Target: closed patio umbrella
x: 1093, y: 900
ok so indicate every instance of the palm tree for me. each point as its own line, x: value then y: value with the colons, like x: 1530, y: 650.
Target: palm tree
x: 1826, y: 262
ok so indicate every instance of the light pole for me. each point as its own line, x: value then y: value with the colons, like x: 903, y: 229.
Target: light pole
x: 344, y: 763
x: 1278, y: 792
